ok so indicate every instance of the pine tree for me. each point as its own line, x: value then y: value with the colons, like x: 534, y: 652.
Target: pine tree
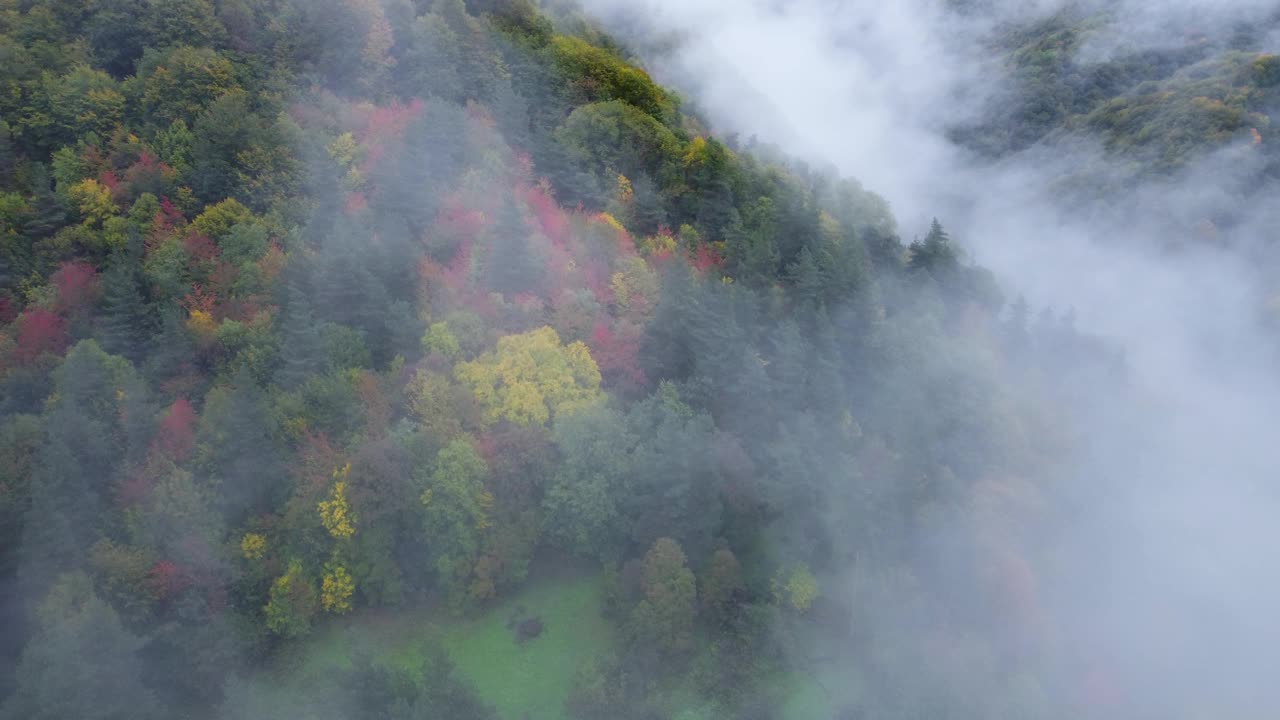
x: 49, y: 214
x: 123, y: 327
x: 808, y: 281
x: 237, y: 449
x: 826, y: 385
x: 647, y: 209
x: 301, y: 348
x: 1017, y: 335
x: 6, y: 156
x: 172, y: 351
x: 788, y: 366
x: 512, y: 267
x: 935, y: 253
x: 80, y: 663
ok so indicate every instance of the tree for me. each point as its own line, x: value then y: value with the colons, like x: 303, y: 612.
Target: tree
x: 72, y: 106
x: 235, y: 448
x: 237, y: 153
x: 293, y: 603
x: 176, y: 434
x: 532, y: 378
x: 1017, y: 336
x: 722, y: 586
x: 512, y: 266
x: 180, y: 82
x: 581, y: 499
x: 86, y: 437
x: 124, y: 321
x: 6, y: 155
x: 80, y: 662
x: 114, y: 37
x: 300, y: 350
x: 456, y: 509
x: 183, y: 22
x: 172, y: 351
x: 664, y: 618
x: 39, y: 332
x: 178, y: 519
x: 48, y: 212
x: 752, y: 242
x: 606, y: 138
x: 673, y: 486
x: 796, y: 589
x: 935, y: 253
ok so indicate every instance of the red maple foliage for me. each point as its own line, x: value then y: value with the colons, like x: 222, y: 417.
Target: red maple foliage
x: 617, y: 356
x: 166, y: 580
x: 706, y: 258
x: 595, y: 274
x: 354, y: 203
x: 551, y: 219
x: 198, y: 299
x: 381, y: 125
x: 176, y: 435
x: 169, y: 213
x: 457, y: 223
x: 39, y: 331
x: 119, y: 190
x: 76, y: 283
x: 147, y: 173
x: 200, y: 249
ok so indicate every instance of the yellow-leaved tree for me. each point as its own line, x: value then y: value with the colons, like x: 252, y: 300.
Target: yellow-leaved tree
x: 532, y: 377
x: 335, y: 512
x: 337, y: 586
x: 796, y: 588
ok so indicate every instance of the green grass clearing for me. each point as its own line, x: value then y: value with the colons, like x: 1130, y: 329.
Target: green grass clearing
x: 532, y: 678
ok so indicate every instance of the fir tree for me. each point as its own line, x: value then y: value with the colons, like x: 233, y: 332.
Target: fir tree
x: 512, y: 266
x: 935, y: 253
x: 301, y: 348
x: 124, y: 322
x: 6, y: 156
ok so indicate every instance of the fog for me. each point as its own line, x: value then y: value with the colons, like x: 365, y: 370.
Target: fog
x: 1166, y: 577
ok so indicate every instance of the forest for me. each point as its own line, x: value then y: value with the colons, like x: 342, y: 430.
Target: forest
x: 429, y: 359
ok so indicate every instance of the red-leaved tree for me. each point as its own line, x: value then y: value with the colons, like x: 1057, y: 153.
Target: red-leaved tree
x: 76, y: 283
x: 176, y: 434
x: 39, y: 331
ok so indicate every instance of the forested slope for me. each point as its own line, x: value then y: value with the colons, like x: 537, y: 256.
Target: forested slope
x: 313, y: 308
x: 1158, y: 95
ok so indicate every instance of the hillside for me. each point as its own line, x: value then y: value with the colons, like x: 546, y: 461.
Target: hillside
x: 1158, y: 102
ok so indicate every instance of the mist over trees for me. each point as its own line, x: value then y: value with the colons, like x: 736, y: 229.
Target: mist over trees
x: 351, y: 348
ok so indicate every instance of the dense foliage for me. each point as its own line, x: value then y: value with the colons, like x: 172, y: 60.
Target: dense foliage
x: 1159, y: 105
x: 316, y: 307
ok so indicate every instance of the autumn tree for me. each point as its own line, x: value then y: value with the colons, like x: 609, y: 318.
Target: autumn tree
x: 532, y: 377
x: 293, y: 603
